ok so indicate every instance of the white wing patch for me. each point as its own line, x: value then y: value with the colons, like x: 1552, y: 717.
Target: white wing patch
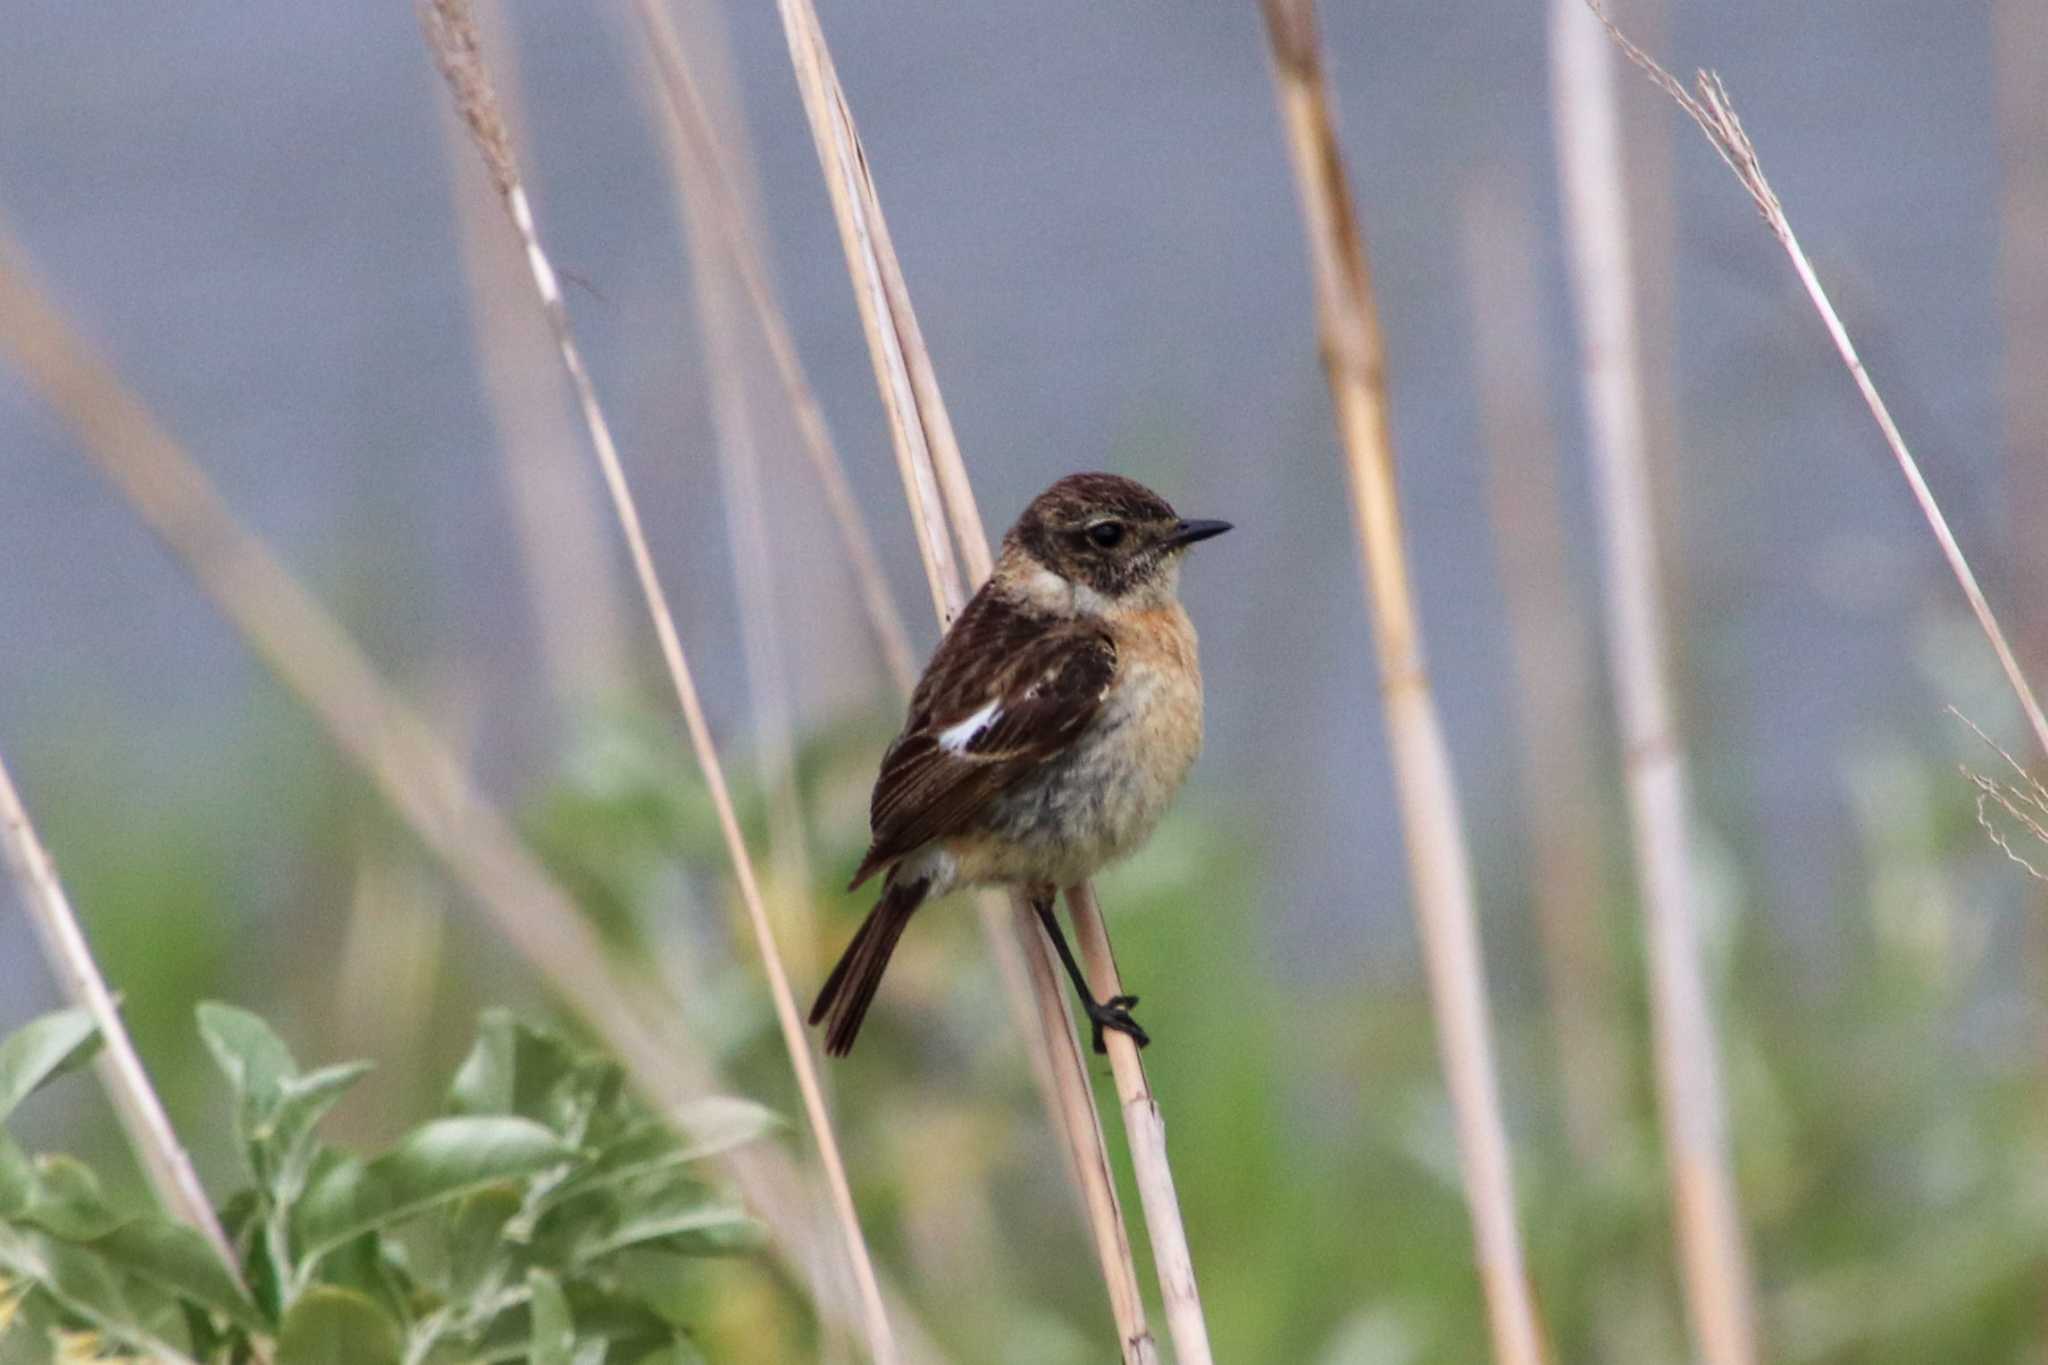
x: 956, y: 738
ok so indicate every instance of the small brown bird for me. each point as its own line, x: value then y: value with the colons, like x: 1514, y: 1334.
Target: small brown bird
x: 1051, y: 729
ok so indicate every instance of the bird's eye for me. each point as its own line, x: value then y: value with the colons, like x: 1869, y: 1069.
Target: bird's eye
x: 1107, y: 534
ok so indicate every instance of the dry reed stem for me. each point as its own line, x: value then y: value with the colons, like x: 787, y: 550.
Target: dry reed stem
x: 377, y: 731
x: 1552, y: 648
x: 1438, y: 861
x: 1080, y: 1124
x: 930, y: 456
x: 141, y: 1113
x: 451, y: 35
x: 1708, y: 1222
x: 1708, y: 106
x: 1171, y: 1257
x: 713, y: 176
x: 845, y: 170
x: 578, y: 614
x: 707, y: 170
x: 719, y: 327
x: 760, y: 619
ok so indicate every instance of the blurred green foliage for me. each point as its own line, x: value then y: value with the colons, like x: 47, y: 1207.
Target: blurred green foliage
x: 1885, y: 1074
x: 547, y: 1217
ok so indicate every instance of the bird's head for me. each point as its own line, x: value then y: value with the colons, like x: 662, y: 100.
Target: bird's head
x: 1108, y: 541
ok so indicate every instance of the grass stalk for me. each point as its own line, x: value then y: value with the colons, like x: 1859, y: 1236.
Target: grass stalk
x: 2019, y: 72
x: 1712, y: 1258
x: 578, y: 613
x: 712, y: 181
x: 451, y: 35
x: 1145, y: 1128
x: 710, y: 175
x: 1439, y: 864
x: 935, y: 472
x: 1708, y: 105
x: 409, y: 767
x: 720, y: 327
x: 1552, y: 647
x: 142, y: 1116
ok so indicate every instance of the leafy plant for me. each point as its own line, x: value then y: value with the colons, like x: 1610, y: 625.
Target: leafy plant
x: 548, y: 1217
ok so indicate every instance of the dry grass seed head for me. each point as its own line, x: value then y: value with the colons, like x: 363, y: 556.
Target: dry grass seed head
x: 458, y: 52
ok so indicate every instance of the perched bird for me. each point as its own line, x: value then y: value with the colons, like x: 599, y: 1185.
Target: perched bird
x: 1058, y: 718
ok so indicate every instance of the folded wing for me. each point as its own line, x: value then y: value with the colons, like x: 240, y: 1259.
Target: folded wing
x: 1005, y: 693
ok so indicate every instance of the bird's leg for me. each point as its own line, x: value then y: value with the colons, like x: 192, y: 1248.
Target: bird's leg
x: 1114, y: 1012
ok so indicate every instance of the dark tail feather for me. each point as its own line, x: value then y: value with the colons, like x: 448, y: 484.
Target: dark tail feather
x: 850, y: 989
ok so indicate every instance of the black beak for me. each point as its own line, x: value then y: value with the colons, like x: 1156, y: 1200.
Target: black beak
x: 1188, y: 532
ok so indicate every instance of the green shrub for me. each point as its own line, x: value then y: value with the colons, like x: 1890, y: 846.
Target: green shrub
x: 548, y: 1217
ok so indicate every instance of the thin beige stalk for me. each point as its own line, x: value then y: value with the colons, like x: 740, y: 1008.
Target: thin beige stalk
x: 712, y: 177
x: 408, y: 765
x: 578, y: 612
x: 1648, y: 147
x: 1552, y: 653
x: 451, y: 35
x: 1708, y: 1223
x: 760, y: 618
x: 706, y: 171
x: 719, y: 329
x: 1145, y: 1127
x: 1439, y: 865
x: 142, y: 1116
x: 2019, y: 80
x: 1080, y: 1123
x: 2019, y: 70
x: 930, y: 456
x: 1708, y: 106
x: 845, y: 169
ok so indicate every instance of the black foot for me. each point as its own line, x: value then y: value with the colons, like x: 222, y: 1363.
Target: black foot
x: 1115, y: 1013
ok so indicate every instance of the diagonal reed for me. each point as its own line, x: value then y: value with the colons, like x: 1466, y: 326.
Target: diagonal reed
x: 452, y: 37
x: 142, y: 1116
x: 1708, y: 106
x: 409, y: 767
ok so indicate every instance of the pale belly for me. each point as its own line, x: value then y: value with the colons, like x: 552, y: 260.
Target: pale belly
x: 1102, y: 800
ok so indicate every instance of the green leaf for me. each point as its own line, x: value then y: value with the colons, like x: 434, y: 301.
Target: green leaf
x: 676, y: 1217
x: 257, y: 1065
x: 252, y: 1057
x: 476, y: 1240
x: 483, y: 1083
x: 647, y: 1147
x: 17, y: 1179
x: 553, y: 1330
x: 603, y: 1321
x: 44, y: 1047
x: 433, y: 1164
x: 66, y: 1200
x: 329, y: 1326
x: 363, y: 1265
x: 513, y: 1069
x: 285, y: 1136
x: 178, y: 1259
x: 86, y: 1288
x: 303, y: 1101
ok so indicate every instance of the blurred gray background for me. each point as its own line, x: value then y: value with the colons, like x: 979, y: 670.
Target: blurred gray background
x: 250, y: 209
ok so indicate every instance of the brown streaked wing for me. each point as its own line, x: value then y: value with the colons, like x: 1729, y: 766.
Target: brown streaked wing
x: 1048, y: 678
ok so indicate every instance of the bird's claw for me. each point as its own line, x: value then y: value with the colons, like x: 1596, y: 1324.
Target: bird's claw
x: 1115, y: 1013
